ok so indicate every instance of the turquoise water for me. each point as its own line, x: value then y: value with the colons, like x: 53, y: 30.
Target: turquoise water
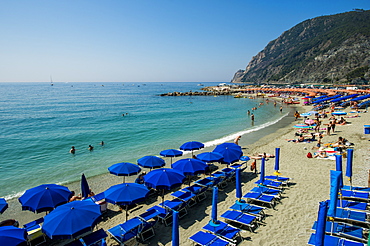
x: 40, y: 123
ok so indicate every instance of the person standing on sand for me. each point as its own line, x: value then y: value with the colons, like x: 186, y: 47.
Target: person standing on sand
x: 236, y: 141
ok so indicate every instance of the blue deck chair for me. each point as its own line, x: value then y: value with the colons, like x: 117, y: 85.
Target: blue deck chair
x: 343, y: 230
x: 164, y: 215
x: 224, y: 231
x: 208, y: 182
x: 355, y: 195
x: 250, y: 209
x: 150, y: 220
x: 240, y: 218
x: 126, y: 232
x: 208, y: 239
x: 261, y: 199
x: 283, y: 180
x: 357, y: 188
x: 351, y: 216
x: 177, y: 205
x: 352, y: 205
x: 230, y: 173
x: 222, y: 179
x: 199, y: 191
x: 332, y: 241
x: 34, y: 232
x: 271, y: 184
x: 185, y: 196
x: 267, y: 191
x: 94, y: 238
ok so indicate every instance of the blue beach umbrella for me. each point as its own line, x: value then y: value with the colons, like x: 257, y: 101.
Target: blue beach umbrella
x: 126, y: 194
x: 3, y: 205
x: 214, y: 221
x: 238, y: 185
x: 151, y: 161
x: 360, y: 98
x: 72, y: 219
x: 210, y: 157
x: 11, y: 235
x: 334, y: 189
x: 85, y: 189
x: 44, y: 197
x: 349, y: 165
x: 171, y: 153
x: 262, y: 173
x: 338, y: 167
x: 124, y: 169
x: 175, y: 229
x: 277, y: 159
x: 305, y: 114
x: 163, y: 179
x: 321, y: 222
x: 230, y: 152
x: 191, y: 146
x: 190, y: 166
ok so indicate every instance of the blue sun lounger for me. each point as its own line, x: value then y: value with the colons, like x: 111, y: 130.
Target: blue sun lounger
x: 284, y: 180
x: 355, y: 195
x: 177, y: 205
x: 271, y: 184
x: 208, y: 239
x: 260, y: 198
x: 163, y: 214
x: 267, y: 191
x: 240, y: 218
x: 333, y: 241
x: 224, y: 231
x: 343, y: 230
x: 350, y: 216
x: 126, y: 232
x: 249, y: 209
x: 357, y: 188
x: 352, y: 205
x: 198, y: 190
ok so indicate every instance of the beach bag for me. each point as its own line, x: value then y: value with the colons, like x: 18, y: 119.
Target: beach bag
x: 309, y: 155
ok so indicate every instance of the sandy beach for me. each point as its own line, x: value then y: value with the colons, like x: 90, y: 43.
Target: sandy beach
x: 289, y: 223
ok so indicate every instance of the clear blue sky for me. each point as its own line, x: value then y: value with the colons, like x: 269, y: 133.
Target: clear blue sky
x: 144, y: 40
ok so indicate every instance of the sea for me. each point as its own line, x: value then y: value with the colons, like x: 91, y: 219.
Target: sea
x: 40, y: 122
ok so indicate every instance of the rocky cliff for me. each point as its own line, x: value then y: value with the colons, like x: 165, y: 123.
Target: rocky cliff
x: 333, y: 48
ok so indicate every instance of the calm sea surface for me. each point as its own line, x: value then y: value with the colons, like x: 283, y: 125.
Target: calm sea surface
x: 40, y: 123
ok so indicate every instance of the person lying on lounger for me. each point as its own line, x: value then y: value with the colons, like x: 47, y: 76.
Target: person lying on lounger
x: 322, y: 153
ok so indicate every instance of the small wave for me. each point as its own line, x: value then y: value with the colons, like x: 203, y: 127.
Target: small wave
x: 234, y: 135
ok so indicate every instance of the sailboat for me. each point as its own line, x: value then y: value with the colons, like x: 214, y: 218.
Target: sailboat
x: 51, y: 81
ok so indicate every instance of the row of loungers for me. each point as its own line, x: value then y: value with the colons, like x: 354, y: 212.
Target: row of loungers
x: 141, y: 228
x: 242, y: 215
x: 350, y: 225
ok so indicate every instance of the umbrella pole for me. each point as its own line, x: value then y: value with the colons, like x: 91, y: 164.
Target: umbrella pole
x: 163, y: 196
x: 123, y: 179
x: 126, y: 212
